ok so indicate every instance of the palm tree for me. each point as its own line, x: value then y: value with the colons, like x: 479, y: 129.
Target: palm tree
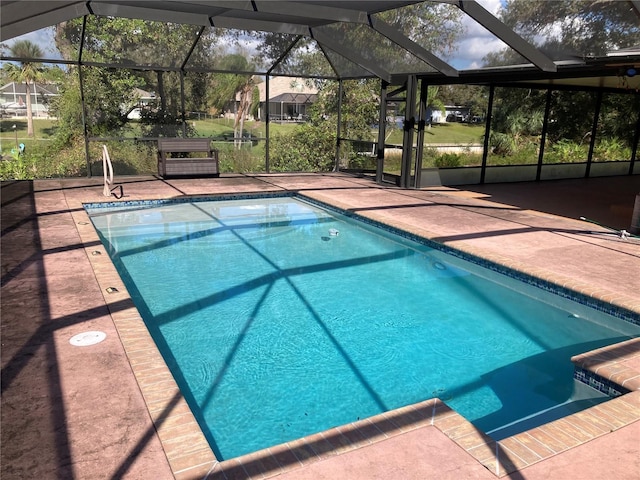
x: 229, y: 86
x: 433, y: 102
x: 26, y: 71
x: 245, y: 90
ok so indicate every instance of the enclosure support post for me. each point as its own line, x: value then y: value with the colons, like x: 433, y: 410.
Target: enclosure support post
x: 407, y: 137
x: 634, y: 147
x: 382, y: 125
x: 543, y: 136
x: 336, y: 167
x: 422, y: 115
x: 182, y: 105
x: 594, y: 129
x: 267, y: 108
x: 82, y: 99
x: 487, y: 132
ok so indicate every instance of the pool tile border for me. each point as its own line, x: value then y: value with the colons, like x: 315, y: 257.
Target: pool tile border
x: 190, y: 455
x: 578, y: 293
x: 606, y: 368
x: 599, y: 383
x: 584, y: 295
x: 567, y: 290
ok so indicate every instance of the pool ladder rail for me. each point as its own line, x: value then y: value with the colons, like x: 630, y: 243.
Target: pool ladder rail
x: 621, y: 234
x: 107, y: 169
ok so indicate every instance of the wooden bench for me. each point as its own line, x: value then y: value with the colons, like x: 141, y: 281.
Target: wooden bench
x: 366, y: 149
x: 185, y: 164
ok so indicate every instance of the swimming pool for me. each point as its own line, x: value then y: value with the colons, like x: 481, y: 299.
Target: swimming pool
x: 304, y: 319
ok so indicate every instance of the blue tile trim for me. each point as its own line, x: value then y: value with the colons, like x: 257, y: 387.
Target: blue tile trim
x: 186, y: 199
x: 613, y: 310
x: 599, y: 383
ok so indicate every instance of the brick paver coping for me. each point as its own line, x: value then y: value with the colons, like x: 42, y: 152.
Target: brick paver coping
x: 618, y: 363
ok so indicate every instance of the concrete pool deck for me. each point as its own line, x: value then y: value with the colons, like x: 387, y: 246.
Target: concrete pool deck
x: 112, y: 411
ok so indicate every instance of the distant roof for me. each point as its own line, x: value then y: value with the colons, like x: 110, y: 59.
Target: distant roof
x: 294, y: 98
x: 19, y: 88
x: 143, y: 94
x: 279, y: 86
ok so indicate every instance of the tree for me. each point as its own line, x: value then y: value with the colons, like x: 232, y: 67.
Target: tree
x: 435, y: 27
x: 434, y: 102
x: 244, y: 105
x: 226, y: 86
x: 26, y: 71
x: 108, y: 95
x: 360, y: 100
x: 474, y: 96
x: 564, y: 28
x: 591, y: 27
x: 131, y: 42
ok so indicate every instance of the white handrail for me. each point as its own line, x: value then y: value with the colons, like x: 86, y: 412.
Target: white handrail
x: 107, y: 167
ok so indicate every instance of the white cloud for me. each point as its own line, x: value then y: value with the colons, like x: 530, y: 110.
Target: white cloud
x: 493, y: 6
x: 477, y: 41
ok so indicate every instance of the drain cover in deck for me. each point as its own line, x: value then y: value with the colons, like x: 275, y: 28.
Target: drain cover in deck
x: 87, y: 338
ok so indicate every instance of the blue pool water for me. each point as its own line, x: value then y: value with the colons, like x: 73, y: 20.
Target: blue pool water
x: 280, y: 319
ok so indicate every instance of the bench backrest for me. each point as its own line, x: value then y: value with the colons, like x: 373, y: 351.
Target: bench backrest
x: 184, y: 144
x: 361, y: 146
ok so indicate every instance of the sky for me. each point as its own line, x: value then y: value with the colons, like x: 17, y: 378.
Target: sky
x: 474, y: 45
x: 43, y: 38
x: 477, y: 41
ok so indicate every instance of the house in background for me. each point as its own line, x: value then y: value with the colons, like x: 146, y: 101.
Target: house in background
x: 145, y: 100
x: 289, y: 99
x: 13, y: 99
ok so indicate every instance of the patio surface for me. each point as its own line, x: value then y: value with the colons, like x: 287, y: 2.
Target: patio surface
x: 111, y: 410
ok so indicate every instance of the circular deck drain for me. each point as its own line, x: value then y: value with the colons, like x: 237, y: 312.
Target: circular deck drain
x: 87, y: 338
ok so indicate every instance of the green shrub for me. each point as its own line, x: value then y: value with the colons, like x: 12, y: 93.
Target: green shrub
x: 44, y: 161
x: 566, y: 151
x: 243, y: 160
x: 362, y: 162
x: 611, y: 149
x: 127, y: 158
x: 392, y: 161
x: 307, y: 149
x: 448, y: 160
x: 15, y: 168
x: 502, y: 143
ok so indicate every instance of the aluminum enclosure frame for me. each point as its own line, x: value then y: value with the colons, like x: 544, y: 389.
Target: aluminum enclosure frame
x: 306, y: 18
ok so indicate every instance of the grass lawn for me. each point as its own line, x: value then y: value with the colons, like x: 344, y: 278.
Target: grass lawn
x: 219, y: 126
x: 448, y: 133
x: 445, y: 133
x: 43, y: 128
x: 249, y: 158
x: 43, y: 131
